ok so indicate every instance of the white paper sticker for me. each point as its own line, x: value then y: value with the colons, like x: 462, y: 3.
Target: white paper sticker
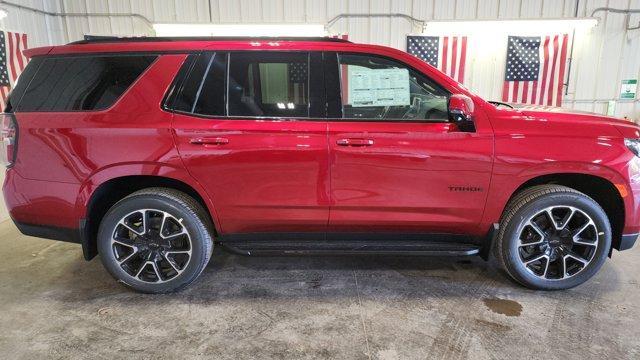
x: 378, y: 87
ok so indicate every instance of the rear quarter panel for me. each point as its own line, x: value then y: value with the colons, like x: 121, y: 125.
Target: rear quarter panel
x: 64, y: 156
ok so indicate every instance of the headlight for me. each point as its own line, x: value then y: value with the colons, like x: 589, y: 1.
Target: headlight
x: 633, y: 145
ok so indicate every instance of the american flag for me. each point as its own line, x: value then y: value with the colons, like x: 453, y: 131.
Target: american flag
x: 12, y: 61
x: 447, y: 53
x: 298, y: 78
x: 535, y: 69
x: 298, y: 72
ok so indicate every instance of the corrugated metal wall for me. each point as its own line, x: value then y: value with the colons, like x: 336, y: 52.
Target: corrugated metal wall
x: 602, y: 57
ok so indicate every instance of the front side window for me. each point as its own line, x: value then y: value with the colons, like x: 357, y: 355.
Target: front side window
x: 269, y: 84
x: 376, y: 88
x: 72, y: 83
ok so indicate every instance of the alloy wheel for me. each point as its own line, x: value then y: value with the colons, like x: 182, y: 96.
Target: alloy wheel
x: 558, y: 242
x: 151, y: 245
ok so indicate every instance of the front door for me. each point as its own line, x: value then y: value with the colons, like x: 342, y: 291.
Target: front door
x: 397, y: 163
x: 251, y: 140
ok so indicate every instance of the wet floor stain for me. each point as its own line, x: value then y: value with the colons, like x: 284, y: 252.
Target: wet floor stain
x: 503, y: 306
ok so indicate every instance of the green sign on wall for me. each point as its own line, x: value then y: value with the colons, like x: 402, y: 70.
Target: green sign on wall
x: 628, y: 89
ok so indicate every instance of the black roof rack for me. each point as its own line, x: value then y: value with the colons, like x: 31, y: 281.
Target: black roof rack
x: 92, y: 39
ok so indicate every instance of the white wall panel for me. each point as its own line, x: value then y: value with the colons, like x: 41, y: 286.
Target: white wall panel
x: 99, y: 25
x: 380, y: 28
x: 272, y: 11
x: 400, y: 27
x: 488, y: 9
x: 509, y: 9
x: 444, y: 9
x: 466, y: 9
x: 294, y: 11
x: 121, y: 24
x: 256, y: 11
x: 316, y: 11
x: 602, y: 57
x: 358, y: 28
x: 231, y: 11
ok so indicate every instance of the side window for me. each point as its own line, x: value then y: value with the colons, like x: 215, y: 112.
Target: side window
x: 204, y: 89
x: 187, y: 95
x: 273, y: 84
x: 213, y: 90
x: 23, y: 80
x: 378, y: 88
x: 82, y: 82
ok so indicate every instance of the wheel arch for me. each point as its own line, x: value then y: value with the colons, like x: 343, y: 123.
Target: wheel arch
x: 600, y: 189
x: 100, y: 194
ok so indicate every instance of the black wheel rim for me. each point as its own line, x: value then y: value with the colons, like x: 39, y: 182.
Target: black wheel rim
x: 151, y: 245
x: 558, y: 242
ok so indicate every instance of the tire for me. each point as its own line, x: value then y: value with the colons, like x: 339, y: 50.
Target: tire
x: 546, y: 254
x: 174, y: 234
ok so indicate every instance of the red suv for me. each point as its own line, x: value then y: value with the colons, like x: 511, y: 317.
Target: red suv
x: 147, y: 151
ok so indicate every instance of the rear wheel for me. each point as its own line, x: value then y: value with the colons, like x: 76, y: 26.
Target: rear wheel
x: 155, y: 240
x: 553, y: 237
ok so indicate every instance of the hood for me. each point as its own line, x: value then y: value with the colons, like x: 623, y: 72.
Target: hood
x: 626, y: 128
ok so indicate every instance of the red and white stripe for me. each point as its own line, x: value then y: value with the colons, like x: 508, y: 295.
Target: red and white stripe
x: 547, y: 90
x: 15, y: 44
x: 453, y: 56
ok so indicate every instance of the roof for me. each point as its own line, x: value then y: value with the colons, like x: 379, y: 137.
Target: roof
x: 108, y: 44
x: 90, y: 39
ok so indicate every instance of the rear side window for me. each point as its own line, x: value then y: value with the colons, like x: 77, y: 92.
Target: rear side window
x: 251, y: 84
x: 82, y: 83
x: 21, y: 85
x: 204, y: 89
x: 269, y: 84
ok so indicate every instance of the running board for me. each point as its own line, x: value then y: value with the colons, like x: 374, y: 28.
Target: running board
x: 306, y: 247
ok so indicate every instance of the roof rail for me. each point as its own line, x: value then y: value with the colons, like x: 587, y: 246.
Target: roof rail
x: 92, y: 39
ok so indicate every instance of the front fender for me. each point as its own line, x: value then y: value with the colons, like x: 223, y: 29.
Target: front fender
x: 505, y: 183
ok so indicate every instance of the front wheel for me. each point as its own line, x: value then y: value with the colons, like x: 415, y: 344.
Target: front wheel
x: 155, y: 240
x: 553, y: 237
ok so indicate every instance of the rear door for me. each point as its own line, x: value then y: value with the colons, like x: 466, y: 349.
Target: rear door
x: 397, y: 163
x: 248, y: 129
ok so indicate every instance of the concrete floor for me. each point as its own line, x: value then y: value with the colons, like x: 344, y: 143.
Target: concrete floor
x: 53, y: 304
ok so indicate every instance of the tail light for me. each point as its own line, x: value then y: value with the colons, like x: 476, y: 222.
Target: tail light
x: 9, y: 136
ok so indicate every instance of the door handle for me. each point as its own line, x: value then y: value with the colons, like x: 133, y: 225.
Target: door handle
x: 354, y: 142
x: 209, y: 141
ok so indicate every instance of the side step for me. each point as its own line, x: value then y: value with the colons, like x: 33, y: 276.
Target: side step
x: 325, y: 247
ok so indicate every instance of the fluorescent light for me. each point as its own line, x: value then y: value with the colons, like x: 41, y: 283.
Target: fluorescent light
x: 511, y: 26
x: 239, y: 29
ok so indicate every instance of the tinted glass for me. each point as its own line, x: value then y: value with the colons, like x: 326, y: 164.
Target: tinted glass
x: 379, y: 88
x: 82, y: 83
x: 174, y: 90
x: 269, y: 84
x: 212, y: 91
x: 189, y: 92
x: 23, y: 80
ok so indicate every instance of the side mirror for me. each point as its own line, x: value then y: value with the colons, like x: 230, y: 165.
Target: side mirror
x: 461, y: 112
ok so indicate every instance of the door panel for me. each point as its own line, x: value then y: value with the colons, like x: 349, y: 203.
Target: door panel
x: 397, y: 163
x: 415, y: 176
x: 262, y: 175
x: 252, y: 144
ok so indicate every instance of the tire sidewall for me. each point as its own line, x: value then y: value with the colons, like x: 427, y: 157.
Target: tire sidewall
x: 522, y: 215
x: 193, y: 225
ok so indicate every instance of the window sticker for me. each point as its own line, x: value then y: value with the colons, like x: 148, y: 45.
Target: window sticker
x: 378, y: 87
